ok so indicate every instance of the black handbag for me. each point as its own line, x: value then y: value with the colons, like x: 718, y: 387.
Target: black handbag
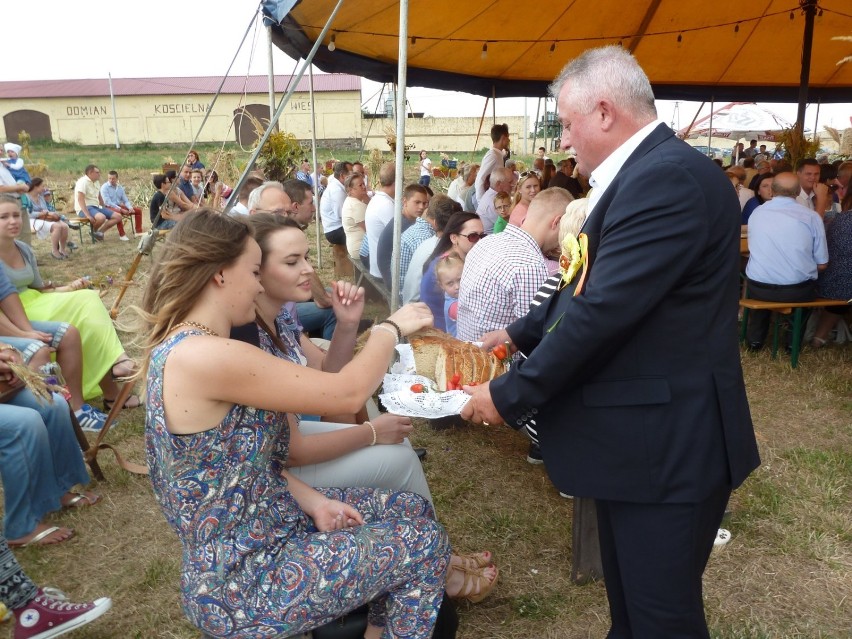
x: 353, y: 624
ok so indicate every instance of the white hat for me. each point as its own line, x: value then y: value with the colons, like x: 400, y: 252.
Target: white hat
x: 11, y: 146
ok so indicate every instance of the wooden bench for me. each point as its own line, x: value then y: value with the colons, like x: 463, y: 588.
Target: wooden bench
x: 363, y: 273
x: 784, y: 308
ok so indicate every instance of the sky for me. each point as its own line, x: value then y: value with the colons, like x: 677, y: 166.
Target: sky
x: 201, y: 38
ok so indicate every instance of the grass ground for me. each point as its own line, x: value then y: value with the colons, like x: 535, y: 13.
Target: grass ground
x: 787, y: 573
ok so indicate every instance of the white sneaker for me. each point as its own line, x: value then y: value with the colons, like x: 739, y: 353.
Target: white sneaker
x: 124, y: 238
x: 723, y: 536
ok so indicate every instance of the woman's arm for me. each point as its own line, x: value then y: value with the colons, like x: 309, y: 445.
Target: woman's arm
x: 321, y: 447
x: 327, y: 514
x: 238, y: 373
x: 179, y: 199
x: 347, y: 301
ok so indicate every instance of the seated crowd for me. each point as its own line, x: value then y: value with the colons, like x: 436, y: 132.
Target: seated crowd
x: 325, y: 470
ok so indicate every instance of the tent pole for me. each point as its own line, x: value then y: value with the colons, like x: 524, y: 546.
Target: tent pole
x: 691, y: 124
x: 481, y: 120
x: 816, y: 120
x: 526, y: 126
x: 535, y: 125
x: 809, y: 8
x: 493, y: 104
x: 114, y: 116
x: 314, y: 162
x: 370, y: 128
x: 271, y: 74
x: 710, y: 130
x: 280, y: 111
x: 402, y: 80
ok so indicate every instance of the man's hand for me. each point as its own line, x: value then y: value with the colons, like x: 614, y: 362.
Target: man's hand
x: 494, y: 338
x: 480, y: 408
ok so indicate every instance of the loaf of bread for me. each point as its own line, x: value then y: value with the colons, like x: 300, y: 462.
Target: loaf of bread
x: 440, y: 357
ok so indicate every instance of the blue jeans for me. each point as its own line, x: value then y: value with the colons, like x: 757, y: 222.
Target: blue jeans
x: 29, y: 347
x: 314, y: 319
x: 40, y: 460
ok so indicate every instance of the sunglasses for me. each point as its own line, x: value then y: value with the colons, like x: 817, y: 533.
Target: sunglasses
x: 527, y: 174
x: 473, y: 238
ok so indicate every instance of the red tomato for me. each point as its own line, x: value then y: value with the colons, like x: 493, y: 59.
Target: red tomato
x: 417, y: 388
x: 500, y: 351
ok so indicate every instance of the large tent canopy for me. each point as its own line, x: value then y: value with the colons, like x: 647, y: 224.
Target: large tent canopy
x: 727, y: 50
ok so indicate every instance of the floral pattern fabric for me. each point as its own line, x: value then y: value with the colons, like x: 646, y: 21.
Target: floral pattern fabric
x: 254, y: 566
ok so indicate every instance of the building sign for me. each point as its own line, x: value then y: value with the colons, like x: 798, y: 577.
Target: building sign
x: 300, y: 105
x: 179, y: 107
x: 86, y: 110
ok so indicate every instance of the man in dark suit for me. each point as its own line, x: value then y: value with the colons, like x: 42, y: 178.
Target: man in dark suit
x: 633, y: 378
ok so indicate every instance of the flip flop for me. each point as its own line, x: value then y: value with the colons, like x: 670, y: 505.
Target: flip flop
x: 41, y: 539
x: 80, y: 500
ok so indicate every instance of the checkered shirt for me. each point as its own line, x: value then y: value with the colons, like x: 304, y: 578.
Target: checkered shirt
x: 411, y: 238
x: 501, y: 275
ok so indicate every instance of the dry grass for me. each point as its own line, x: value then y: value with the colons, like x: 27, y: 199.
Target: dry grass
x: 785, y: 574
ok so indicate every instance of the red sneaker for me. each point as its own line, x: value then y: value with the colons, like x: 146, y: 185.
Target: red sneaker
x: 50, y: 614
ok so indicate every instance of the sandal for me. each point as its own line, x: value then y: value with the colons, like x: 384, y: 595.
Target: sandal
x: 818, y: 342
x: 80, y: 500
x: 122, y: 378
x: 479, y: 560
x: 466, y: 593
x: 129, y: 403
x: 45, y: 538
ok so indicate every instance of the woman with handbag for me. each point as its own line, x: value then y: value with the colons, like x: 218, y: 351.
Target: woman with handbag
x: 40, y: 460
x: 264, y: 552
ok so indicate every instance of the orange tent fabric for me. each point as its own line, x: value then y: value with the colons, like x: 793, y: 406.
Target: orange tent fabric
x: 691, y: 49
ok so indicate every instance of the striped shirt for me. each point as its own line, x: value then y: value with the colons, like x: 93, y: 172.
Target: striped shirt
x: 501, y: 275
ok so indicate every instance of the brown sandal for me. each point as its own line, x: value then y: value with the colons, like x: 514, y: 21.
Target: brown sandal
x: 476, y: 560
x: 485, y: 586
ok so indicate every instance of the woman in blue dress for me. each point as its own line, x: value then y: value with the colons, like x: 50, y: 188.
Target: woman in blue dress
x: 263, y: 553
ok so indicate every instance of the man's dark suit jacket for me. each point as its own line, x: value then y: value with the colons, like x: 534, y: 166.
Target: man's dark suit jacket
x: 635, y: 384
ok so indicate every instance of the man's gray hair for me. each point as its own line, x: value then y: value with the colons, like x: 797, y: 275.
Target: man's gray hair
x: 611, y: 73
x: 256, y: 194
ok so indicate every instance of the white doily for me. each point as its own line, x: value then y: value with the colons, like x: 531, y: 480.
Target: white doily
x: 399, y: 399
x: 405, y: 361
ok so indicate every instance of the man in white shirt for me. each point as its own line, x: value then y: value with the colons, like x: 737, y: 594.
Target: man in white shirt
x: 89, y: 204
x: 501, y: 180
x: 379, y: 212
x: 808, y: 171
x: 493, y: 158
x: 331, y: 205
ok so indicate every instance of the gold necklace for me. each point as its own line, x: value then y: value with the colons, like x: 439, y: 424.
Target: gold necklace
x: 201, y: 327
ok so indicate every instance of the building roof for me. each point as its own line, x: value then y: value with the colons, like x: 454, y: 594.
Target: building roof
x: 98, y: 87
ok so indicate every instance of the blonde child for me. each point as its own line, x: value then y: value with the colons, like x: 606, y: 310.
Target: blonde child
x: 503, y: 206
x: 448, y: 272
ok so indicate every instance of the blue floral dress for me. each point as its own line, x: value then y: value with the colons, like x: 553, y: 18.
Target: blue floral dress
x: 253, y: 563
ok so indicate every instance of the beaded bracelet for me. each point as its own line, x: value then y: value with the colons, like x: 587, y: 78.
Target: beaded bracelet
x: 372, y: 428
x: 396, y: 328
x: 379, y: 327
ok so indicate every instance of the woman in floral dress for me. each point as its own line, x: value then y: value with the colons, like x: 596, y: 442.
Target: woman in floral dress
x: 263, y: 553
